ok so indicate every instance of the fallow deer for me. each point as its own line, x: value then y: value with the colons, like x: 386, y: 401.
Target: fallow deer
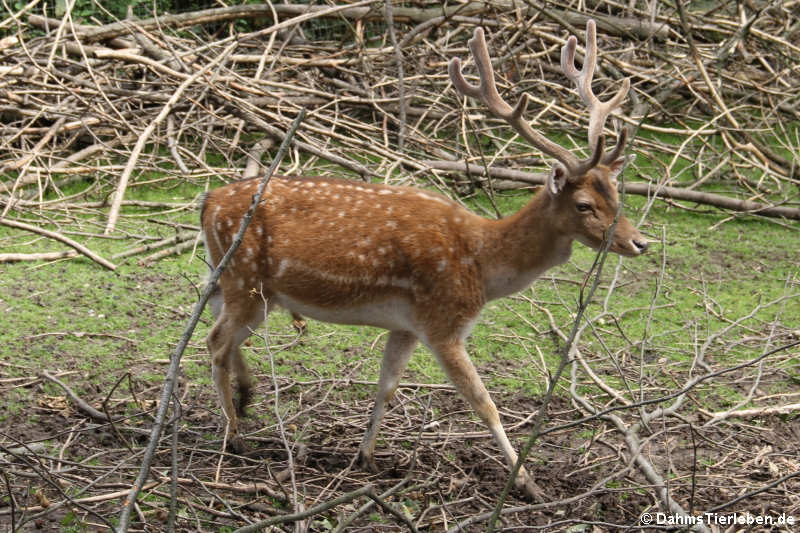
x: 405, y: 259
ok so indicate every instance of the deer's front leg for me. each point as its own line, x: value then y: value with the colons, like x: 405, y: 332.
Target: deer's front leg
x: 459, y: 368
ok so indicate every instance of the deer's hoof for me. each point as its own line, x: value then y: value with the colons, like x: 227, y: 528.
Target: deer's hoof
x: 367, y: 462
x: 529, y: 487
x: 236, y: 445
x: 242, y: 399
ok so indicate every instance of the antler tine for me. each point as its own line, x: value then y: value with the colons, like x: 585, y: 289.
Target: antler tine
x: 598, y: 111
x: 619, y: 147
x: 487, y: 93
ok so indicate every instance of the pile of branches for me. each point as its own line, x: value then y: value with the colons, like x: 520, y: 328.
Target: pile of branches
x: 186, y: 96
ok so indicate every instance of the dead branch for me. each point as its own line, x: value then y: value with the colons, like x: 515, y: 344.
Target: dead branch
x: 176, y: 239
x: 61, y: 238
x: 183, y: 245
x: 44, y: 256
x: 637, y: 188
x: 753, y: 413
x: 77, y: 400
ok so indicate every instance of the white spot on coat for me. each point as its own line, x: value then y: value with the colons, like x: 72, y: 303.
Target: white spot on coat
x: 282, y: 267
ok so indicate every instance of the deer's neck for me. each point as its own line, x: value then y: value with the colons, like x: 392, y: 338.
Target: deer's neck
x: 522, y: 246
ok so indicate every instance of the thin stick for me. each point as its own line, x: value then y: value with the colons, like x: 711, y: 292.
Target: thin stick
x: 173, y: 482
x: 401, y: 87
x: 172, y: 373
x: 388, y: 508
x: 11, y: 501
x: 44, y: 256
x: 317, y: 509
x: 296, y: 506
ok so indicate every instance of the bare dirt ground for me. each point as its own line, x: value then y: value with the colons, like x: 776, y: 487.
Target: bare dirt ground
x: 437, y: 462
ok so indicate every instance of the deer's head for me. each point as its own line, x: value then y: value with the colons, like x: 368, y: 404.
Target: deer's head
x: 583, y: 191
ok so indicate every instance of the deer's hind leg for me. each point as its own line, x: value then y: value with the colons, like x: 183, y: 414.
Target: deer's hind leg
x: 234, y: 324
x: 240, y: 370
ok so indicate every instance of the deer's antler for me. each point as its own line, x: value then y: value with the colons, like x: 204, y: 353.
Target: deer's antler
x: 598, y: 111
x: 487, y: 93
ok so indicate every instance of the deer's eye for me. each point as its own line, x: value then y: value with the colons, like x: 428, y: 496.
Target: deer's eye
x: 583, y: 207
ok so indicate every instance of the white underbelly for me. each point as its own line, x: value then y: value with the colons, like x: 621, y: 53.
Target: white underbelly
x: 393, y: 313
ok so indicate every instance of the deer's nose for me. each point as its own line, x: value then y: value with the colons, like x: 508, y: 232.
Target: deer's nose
x: 640, y: 245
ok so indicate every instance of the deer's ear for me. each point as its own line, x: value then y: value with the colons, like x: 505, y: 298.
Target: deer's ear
x: 557, y: 179
x: 618, y: 165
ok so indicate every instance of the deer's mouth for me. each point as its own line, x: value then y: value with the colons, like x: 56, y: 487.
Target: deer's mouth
x: 631, y: 248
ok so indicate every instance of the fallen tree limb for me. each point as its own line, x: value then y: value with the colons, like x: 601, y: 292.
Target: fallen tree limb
x: 752, y: 413
x: 80, y: 403
x: 173, y: 250
x: 89, y: 499
x: 57, y: 236
x: 205, y: 16
x: 46, y: 24
x: 366, y: 490
x: 175, y: 239
x: 637, y: 188
x: 44, y: 256
x: 641, y: 28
